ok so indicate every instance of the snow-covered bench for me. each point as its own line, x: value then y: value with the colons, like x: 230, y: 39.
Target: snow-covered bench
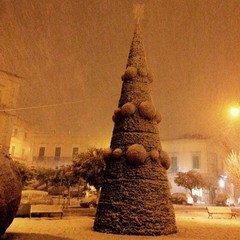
x: 46, y: 209
x: 220, y: 210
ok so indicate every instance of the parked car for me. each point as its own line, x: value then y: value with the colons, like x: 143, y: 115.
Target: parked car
x: 32, y: 197
x: 182, y: 198
x: 89, y: 200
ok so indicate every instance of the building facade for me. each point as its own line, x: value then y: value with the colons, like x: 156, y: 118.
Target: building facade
x: 9, y: 89
x: 200, y: 154
x: 22, y: 139
x: 54, y: 150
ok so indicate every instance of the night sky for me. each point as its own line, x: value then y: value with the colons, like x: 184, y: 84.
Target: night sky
x: 72, y: 53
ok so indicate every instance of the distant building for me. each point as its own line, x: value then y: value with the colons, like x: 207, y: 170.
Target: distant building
x: 9, y: 89
x: 16, y: 135
x: 54, y: 150
x: 200, y: 154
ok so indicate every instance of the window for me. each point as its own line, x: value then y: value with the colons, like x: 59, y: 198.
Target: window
x: 196, y: 161
x: 174, y: 164
x: 75, y: 151
x: 41, y: 153
x: 57, y: 153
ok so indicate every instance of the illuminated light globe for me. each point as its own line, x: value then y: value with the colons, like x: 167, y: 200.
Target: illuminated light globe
x: 235, y: 111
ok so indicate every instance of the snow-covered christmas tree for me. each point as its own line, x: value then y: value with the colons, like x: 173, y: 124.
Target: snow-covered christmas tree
x: 135, y: 197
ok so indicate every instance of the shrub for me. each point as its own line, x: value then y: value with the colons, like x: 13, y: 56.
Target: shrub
x: 221, y: 199
x: 179, y: 198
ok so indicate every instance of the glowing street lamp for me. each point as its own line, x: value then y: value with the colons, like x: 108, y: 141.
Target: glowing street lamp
x: 235, y: 111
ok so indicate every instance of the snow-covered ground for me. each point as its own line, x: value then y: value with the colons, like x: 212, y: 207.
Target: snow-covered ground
x: 191, y: 225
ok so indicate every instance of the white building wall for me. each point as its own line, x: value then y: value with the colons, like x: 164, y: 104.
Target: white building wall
x: 183, y: 150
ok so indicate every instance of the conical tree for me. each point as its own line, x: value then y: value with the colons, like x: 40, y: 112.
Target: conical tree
x: 135, y: 197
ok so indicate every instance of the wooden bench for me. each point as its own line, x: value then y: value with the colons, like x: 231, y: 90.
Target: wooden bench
x: 220, y: 210
x: 46, y: 209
